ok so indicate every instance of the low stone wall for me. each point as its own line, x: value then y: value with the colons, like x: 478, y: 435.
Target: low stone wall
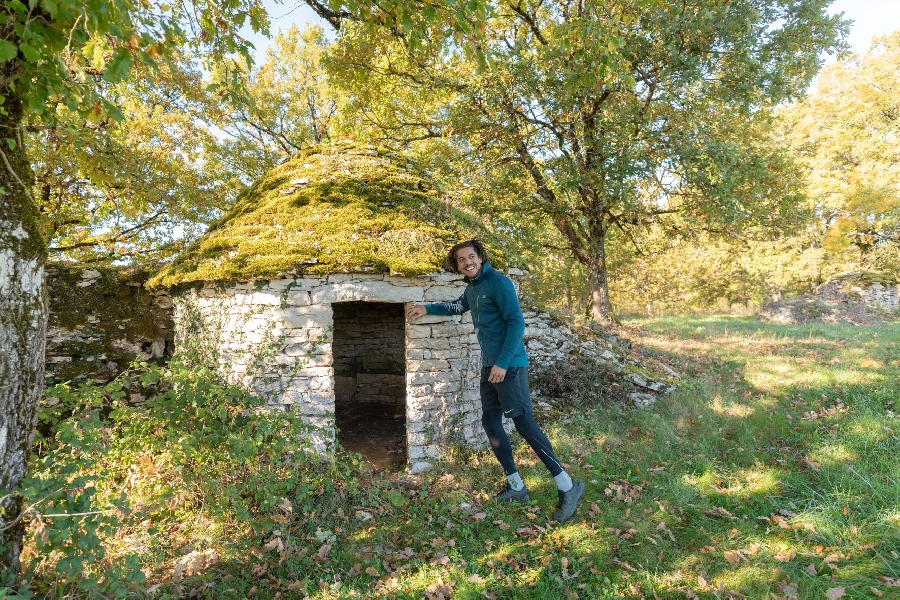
x: 885, y: 296
x: 101, y: 320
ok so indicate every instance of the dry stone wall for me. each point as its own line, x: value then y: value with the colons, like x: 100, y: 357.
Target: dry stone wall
x: 102, y: 319
x: 368, y: 349
x: 276, y: 337
x: 885, y: 296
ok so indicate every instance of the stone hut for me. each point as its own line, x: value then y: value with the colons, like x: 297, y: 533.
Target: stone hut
x: 298, y: 293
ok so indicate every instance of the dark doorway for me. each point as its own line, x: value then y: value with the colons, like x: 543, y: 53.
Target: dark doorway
x: 369, y: 352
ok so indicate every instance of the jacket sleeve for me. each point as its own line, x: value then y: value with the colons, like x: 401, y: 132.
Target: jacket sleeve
x: 457, y: 307
x: 510, y: 311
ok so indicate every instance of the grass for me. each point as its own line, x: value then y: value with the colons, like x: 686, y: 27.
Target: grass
x: 772, y: 472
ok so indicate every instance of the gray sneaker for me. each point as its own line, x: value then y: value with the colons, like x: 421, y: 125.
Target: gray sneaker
x: 568, y: 502
x: 508, y: 494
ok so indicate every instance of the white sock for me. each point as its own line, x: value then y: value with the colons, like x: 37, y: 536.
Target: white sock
x: 564, y: 482
x: 515, y: 481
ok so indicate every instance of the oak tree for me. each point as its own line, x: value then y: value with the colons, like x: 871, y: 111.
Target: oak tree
x: 619, y: 113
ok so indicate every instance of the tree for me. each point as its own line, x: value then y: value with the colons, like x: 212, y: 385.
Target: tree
x: 847, y: 135
x: 620, y: 113
x: 134, y: 188
x: 285, y: 106
x: 55, y: 53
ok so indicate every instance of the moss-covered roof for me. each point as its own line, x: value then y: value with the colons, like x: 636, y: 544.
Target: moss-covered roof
x: 336, y: 208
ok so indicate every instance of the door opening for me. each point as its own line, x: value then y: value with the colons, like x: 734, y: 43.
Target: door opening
x: 370, y: 381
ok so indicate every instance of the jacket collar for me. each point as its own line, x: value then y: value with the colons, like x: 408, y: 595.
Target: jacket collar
x: 485, y: 267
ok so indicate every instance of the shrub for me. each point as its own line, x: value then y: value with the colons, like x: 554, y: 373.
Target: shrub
x: 116, y: 465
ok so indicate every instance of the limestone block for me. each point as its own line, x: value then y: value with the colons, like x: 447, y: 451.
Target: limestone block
x: 446, y: 387
x: 417, y: 354
x: 427, y: 365
x: 264, y: 299
x: 445, y: 354
x: 304, y: 349
x: 278, y: 286
x: 419, y: 391
x: 443, y: 293
x: 316, y: 360
x: 298, y: 298
x: 416, y: 452
x: 460, y: 364
x: 432, y: 452
x: 447, y: 277
x: 431, y: 343
x: 291, y: 396
x: 366, y: 291
x: 414, y: 379
x: 642, y: 400
x: 434, y: 319
x: 420, y: 467
x: 320, y: 383
x: 315, y: 372
x: 447, y: 329
x: 306, y: 317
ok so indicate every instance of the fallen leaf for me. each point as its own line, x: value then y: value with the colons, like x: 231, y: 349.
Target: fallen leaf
x: 811, y: 569
x: 475, y: 578
x: 876, y: 592
x: 785, y: 556
x: 890, y: 581
x: 371, y: 571
x: 835, y: 593
x: 324, y: 550
x: 732, y: 557
x: 479, y: 516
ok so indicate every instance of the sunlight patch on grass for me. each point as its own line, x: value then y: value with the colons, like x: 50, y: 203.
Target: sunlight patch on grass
x: 730, y: 408
x: 834, y: 454
x: 773, y: 373
x: 761, y: 481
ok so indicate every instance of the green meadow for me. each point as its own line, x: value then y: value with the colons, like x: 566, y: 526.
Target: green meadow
x: 771, y: 472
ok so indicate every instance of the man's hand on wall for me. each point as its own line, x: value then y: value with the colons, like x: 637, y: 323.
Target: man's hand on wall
x: 414, y: 312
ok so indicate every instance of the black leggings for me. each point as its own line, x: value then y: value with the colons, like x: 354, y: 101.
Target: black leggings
x: 492, y: 420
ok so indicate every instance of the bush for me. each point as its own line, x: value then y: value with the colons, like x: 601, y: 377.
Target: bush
x: 111, y: 472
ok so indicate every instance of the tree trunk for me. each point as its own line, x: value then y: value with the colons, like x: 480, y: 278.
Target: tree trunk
x: 23, y: 323
x: 600, y: 308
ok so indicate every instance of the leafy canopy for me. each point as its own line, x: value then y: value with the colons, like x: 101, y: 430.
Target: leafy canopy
x: 846, y: 135
x: 617, y: 113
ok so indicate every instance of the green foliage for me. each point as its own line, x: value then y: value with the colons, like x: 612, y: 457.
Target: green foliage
x: 194, y: 449
x: 286, y: 105
x: 56, y: 52
x: 343, y: 207
x: 845, y: 134
x: 130, y: 189
x: 615, y: 115
x: 774, y: 459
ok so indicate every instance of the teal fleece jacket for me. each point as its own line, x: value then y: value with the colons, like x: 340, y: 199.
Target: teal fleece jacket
x: 496, y: 315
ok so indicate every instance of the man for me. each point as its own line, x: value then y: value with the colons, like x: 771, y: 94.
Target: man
x: 500, y: 326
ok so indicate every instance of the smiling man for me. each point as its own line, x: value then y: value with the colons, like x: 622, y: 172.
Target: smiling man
x: 500, y: 326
